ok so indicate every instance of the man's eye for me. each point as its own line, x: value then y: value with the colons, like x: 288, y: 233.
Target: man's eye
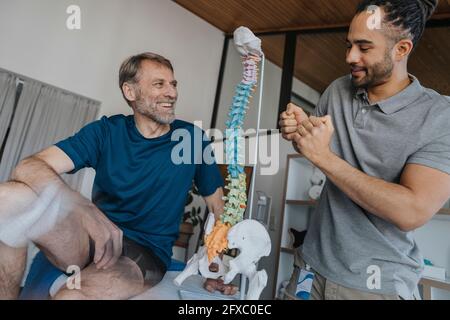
x: 158, y: 84
x: 364, y: 49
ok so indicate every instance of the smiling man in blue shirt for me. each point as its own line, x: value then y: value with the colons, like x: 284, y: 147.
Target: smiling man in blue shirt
x: 123, y: 239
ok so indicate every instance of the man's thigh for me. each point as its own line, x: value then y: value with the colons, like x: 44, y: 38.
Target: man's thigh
x: 121, y: 281
x: 66, y: 244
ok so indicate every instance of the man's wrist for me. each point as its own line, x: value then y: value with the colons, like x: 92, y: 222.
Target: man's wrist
x: 325, y: 162
x: 294, y: 145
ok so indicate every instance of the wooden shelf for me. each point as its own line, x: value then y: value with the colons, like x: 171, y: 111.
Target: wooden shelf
x: 428, y: 283
x: 436, y: 283
x: 445, y: 211
x: 302, y: 202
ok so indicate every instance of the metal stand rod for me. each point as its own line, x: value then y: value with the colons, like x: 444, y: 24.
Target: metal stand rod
x: 252, y: 184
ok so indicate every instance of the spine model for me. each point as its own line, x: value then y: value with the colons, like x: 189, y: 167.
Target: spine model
x: 236, y: 200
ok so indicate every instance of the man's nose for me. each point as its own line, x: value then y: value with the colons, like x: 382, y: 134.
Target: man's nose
x: 352, y: 56
x: 171, y: 92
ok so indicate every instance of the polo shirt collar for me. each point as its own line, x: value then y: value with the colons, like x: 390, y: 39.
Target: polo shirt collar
x: 400, y: 100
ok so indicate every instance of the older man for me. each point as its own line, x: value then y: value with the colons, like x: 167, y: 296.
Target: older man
x: 123, y: 239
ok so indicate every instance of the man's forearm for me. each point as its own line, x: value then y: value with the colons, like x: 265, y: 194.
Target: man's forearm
x: 389, y: 201
x: 37, y: 175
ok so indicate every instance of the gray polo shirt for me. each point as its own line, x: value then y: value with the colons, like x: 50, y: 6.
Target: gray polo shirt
x: 344, y: 240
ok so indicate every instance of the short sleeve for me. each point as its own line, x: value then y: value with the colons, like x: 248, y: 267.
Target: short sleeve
x: 207, y: 174
x: 321, y: 108
x: 84, y: 148
x: 435, y: 154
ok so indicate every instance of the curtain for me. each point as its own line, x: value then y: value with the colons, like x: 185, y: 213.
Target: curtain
x: 7, y: 97
x: 45, y: 115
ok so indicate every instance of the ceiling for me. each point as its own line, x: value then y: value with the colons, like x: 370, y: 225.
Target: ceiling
x: 320, y: 52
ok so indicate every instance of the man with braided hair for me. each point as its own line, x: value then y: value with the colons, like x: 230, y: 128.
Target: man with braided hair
x: 383, y: 141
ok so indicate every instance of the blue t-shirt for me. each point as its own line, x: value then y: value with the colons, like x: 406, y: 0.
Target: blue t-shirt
x: 137, y: 185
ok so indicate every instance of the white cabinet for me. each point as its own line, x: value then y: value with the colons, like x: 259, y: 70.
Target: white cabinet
x: 296, y: 211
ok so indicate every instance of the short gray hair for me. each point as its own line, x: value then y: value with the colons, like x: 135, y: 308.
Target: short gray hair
x: 129, y: 70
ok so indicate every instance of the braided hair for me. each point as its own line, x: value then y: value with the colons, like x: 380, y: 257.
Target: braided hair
x: 406, y: 17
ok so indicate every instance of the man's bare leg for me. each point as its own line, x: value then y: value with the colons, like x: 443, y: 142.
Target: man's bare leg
x: 66, y: 244
x: 14, y: 197
x: 12, y: 267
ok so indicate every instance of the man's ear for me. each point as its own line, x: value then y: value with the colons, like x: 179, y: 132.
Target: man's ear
x: 129, y: 91
x: 403, y: 49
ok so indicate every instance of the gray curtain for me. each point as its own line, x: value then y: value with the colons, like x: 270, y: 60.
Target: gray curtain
x: 7, y: 96
x: 44, y: 116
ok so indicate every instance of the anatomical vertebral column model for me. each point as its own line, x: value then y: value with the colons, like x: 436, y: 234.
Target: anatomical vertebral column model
x: 229, y: 232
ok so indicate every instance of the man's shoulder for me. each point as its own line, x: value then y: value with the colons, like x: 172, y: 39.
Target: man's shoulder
x: 437, y: 100
x: 115, y: 119
x: 435, y: 109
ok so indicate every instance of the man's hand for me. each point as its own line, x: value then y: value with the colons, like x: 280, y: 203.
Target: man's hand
x: 290, y: 119
x: 107, y: 237
x: 215, y: 203
x: 313, y: 138
x: 217, y: 284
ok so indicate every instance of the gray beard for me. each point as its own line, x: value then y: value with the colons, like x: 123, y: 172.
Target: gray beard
x: 151, y: 113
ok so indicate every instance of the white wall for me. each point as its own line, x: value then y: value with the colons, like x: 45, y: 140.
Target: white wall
x: 36, y: 43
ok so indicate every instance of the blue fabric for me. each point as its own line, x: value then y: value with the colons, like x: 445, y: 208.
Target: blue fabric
x: 42, y: 274
x: 40, y: 278
x: 176, y: 265
x: 138, y: 184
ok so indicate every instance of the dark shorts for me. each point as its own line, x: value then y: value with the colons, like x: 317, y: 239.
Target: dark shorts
x: 151, y: 266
